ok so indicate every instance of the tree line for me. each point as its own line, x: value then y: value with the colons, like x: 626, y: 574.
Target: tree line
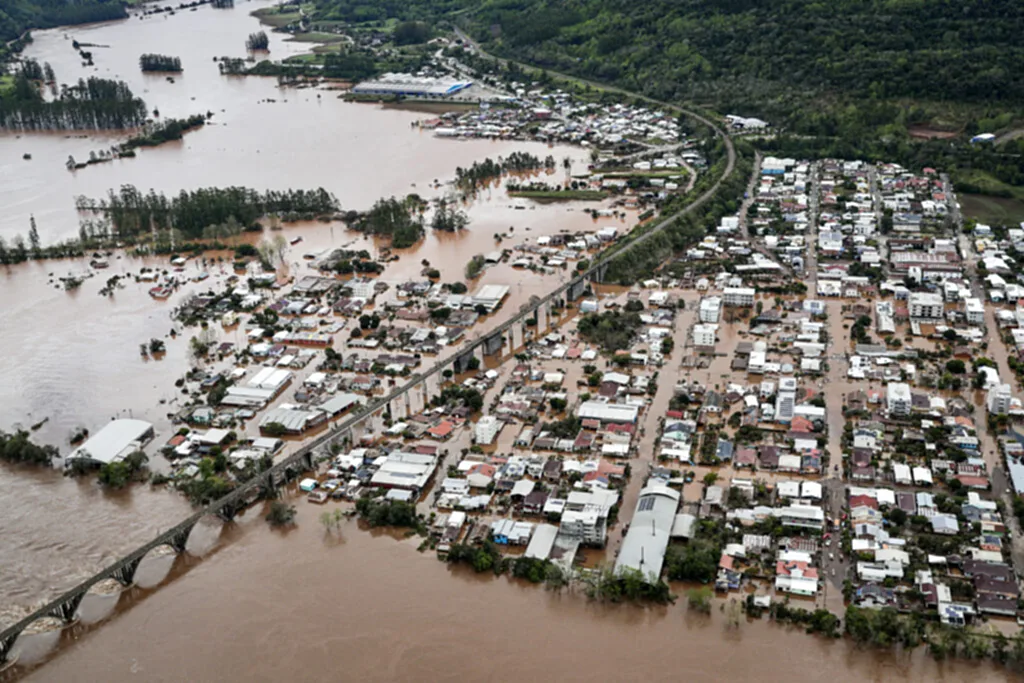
x: 93, y: 104
x: 482, y: 172
x: 167, y: 131
x: 132, y: 212
x: 155, y: 62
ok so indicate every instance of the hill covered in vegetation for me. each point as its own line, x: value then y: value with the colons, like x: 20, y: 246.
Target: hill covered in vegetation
x: 751, y: 56
x: 18, y: 16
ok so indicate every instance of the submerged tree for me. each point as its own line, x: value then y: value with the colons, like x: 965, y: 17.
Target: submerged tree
x: 281, y: 514
x: 155, y: 62
x: 257, y: 41
x: 96, y: 103
x: 449, y: 218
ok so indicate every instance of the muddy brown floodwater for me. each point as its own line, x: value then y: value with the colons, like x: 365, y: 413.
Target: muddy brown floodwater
x: 72, y: 359
x: 267, y: 605
x: 304, y: 605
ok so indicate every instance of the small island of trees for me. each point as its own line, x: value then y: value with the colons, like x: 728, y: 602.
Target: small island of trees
x: 393, y: 218
x: 257, y: 41
x: 132, y: 212
x: 96, y: 103
x: 162, y: 63
x: 482, y: 172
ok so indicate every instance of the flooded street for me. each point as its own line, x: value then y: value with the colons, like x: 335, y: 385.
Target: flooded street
x: 361, y: 606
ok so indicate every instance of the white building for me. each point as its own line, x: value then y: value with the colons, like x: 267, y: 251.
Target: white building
x: 607, y: 412
x: 785, y: 402
x: 926, y: 306
x: 486, y: 430
x: 739, y: 296
x: 117, y: 439
x: 585, y: 515
x: 643, y: 549
x: 490, y: 296
x: 998, y: 399
x: 898, y: 398
x: 974, y: 310
x: 710, y: 309
x: 704, y: 335
x: 410, y: 471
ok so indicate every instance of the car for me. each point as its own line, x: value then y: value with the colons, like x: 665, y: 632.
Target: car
x: 831, y: 556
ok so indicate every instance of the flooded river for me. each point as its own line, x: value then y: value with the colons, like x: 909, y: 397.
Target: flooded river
x: 263, y: 604
x: 72, y: 359
x: 355, y: 606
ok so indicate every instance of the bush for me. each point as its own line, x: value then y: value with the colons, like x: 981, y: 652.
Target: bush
x: 280, y: 514
x: 376, y: 512
x: 18, y: 447
x: 274, y: 429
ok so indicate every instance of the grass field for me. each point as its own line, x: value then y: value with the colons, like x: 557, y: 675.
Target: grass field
x: 992, y: 210
x: 272, y: 16
x: 560, y: 196
x: 991, y: 200
x: 315, y: 37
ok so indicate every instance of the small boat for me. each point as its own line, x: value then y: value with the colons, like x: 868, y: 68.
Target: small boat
x: 296, y: 240
x: 99, y: 263
x: 202, y: 276
x: 160, y: 292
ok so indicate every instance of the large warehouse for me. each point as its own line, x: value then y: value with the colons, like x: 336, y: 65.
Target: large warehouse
x: 116, y: 440
x: 407, y: 85
x: 647, y: 539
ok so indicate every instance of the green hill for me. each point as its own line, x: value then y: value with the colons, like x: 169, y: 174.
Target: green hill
x: 18, y: 16
x: 754, y: 56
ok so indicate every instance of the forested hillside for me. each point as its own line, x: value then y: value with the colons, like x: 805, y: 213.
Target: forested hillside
x: 17, y: 16
x: 752, y: 55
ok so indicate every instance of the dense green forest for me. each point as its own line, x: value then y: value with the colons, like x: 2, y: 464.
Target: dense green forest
x: 750, y: 56
x: 96, y: 103
x: 18, y: 16
x: 133, y: 213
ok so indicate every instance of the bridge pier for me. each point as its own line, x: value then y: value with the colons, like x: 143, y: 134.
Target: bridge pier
x: 493, y: 344
x: 125, y: 574
x: 179, y: 540
x: 598, y: 274
x: 268, y: 487
x: 576, y: 289
x: 7, y: 646
x: 228, y: 512
x: 65, y: 611
x: 461, y: 363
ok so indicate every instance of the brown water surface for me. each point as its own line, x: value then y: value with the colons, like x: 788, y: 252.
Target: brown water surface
x: 304, y: 605
x: 72, y: 359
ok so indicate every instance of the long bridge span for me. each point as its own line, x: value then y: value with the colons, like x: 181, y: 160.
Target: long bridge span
x: 65, y: 606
